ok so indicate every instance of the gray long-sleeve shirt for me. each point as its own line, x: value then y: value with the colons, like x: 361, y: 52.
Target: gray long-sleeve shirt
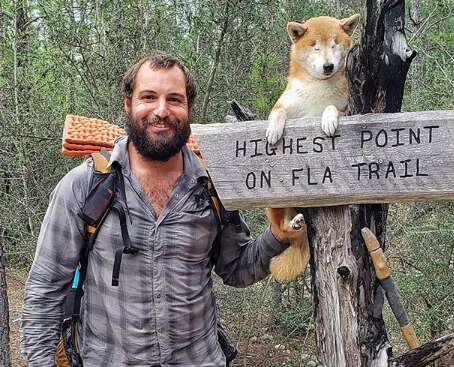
x: 163, y: 311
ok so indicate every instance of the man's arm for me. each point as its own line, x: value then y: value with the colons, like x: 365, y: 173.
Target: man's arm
x: 241, y: 260
x: 59, y: 244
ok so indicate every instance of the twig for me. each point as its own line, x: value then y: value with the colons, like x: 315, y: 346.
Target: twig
x: 447, y: 77
x: 49, y: 138
x: 431, y: 25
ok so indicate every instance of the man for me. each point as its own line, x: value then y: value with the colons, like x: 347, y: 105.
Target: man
x: 162, y: 313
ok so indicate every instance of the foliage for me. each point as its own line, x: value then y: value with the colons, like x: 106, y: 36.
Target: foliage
x: 294, y: 314
x: 421, y: 236
x: 422, y: 256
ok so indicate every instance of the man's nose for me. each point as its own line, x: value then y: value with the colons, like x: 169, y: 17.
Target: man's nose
x: 162, y: 108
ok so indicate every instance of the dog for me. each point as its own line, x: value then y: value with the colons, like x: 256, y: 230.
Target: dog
x: 317, y: 86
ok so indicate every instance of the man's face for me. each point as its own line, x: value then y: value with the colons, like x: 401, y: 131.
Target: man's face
x: 157, y: 112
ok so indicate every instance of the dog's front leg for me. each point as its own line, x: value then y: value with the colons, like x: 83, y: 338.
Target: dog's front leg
x: 287, y: 225
x: 276, y: 123
x: 330, y: 120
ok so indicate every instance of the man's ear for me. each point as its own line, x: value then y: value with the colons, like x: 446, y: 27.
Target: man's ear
x: 296, y: 30
x: 127, y: 104
x: 349, y: 24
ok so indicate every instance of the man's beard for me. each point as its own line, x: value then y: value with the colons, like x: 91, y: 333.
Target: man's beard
x: 158, y: 147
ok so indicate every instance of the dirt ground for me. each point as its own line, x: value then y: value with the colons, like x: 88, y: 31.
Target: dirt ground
x: 15, y: 283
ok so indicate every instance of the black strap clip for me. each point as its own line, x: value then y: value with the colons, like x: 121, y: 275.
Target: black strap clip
x: 127, y: 249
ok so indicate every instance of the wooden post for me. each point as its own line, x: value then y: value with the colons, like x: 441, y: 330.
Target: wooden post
x: 344, y: 283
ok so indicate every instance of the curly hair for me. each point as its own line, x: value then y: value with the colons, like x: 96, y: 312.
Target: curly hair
x: 158, y: 59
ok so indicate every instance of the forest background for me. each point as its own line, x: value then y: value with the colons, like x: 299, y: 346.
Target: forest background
x: 67, y: 57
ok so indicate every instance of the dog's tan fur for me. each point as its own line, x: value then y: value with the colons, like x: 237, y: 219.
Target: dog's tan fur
x: 294, y: 259
x: 316, y: 86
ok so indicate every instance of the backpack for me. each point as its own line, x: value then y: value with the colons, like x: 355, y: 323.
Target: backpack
x: 106, y: 193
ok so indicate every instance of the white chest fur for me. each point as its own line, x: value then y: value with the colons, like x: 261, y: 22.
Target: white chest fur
x: 310, y: 98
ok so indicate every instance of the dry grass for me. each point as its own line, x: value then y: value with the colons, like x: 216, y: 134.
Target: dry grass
x: 15, y: 283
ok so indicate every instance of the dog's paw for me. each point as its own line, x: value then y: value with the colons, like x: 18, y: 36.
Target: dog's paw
x: 330, y: 120
x: 274, y: 132
x: 297, y: 222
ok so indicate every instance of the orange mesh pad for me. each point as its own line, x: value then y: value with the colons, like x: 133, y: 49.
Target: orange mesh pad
x: 71, y: 146
x: 83, y: 136
x: 78, y: 153
x: 84, y: 130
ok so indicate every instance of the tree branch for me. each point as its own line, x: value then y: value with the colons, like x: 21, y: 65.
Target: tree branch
x: 425, y: 354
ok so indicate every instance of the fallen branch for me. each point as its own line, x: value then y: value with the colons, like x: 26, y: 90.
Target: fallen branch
x: 425, y: 354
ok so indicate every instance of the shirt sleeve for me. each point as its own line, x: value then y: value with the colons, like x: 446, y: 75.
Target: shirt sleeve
x: 241, y: 260
x: 57, y: 254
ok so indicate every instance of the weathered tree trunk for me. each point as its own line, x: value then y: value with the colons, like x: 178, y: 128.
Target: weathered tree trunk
x: 417, y: 80
x: 343, y: 286
x: 217, y: 55
x: 5, y: 356
x: 344, y: 283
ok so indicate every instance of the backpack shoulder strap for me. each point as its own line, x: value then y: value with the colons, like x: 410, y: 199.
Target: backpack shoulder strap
x: 222, y: 216
x: 101, y: 200
x: 100, y: 193
x: 97, y: 204
x: 215, y: 202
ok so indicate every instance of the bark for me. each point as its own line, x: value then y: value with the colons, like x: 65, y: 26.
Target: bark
x: 20, y: 50
x: 338, y: 8
x: 5, y: 354
x: 377, y: 68
x: 242, y: 113
x: 343, y: 280
x: 145, y: 17
x: 217, y: 55
x: 417, y: 69
x: 100, y: 29
x: 343, y: 285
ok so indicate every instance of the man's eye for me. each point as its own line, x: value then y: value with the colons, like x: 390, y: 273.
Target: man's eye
x: 147, y: 97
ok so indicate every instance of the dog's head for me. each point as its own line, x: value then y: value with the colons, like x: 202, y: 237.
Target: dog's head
x: 320, y: 45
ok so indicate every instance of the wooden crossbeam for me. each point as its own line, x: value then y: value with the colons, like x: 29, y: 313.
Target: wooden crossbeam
x: 375, y: 158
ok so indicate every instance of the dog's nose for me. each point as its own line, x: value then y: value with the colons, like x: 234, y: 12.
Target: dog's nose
x: 328, y: 68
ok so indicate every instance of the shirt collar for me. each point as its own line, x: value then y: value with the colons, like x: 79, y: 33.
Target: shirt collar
x: 120, y: 153
x: 193, y: 168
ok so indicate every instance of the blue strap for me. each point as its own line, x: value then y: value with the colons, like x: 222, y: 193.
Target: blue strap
x: 76, y: 278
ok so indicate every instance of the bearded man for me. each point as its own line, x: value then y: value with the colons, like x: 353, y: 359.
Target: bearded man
x: 162, y: 313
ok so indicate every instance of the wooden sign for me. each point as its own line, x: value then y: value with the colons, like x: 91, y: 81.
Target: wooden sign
x: 375, y: 158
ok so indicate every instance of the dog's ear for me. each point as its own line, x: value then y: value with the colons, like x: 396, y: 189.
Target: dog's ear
x: 349, y: 24
x: 296, y: 30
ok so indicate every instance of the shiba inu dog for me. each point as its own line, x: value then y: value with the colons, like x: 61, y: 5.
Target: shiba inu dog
x: 316, y: 86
